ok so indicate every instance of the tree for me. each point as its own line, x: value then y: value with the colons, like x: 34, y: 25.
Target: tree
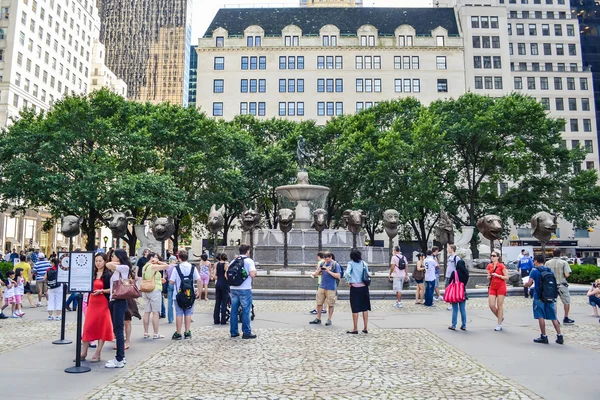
x: 81, y: 157
x: 491, y: 141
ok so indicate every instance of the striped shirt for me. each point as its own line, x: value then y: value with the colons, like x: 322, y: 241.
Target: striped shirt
x: 40, y: 269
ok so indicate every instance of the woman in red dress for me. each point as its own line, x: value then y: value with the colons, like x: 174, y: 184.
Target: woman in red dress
x: 98, y: 324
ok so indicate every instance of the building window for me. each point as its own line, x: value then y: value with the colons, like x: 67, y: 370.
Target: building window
x: 545, y: 101
x: 321, y: 62
x: 534, y: 49
x: 487, y: 62
x: 377, y: 85
x: 474, y: 22
x: 588, y: 143
x: 359, y: 85
x: 589, y: 164
x: 520, y: 30
x: 330, y: 108
x: 574, y: 125
x: 282, y: 109
x: 329, y: 85
x: 440, y: 62
x: 339, y: 108
x: 581, y: 233
x: 282, y: 85
x: 262, y: 62
x: 291, y: 108
x: 497, y: 62
x: 358, y: 62
x: 339, y: 85
x: 545, y: 30
x: 339, y: 62
x: 530, y: 83
x: 544, y: 83
x: 405, y: 41
x: 572, y: 50
x: 377, y: 62
x: 244, y: 86
x: 415, y: 62
x: 253, y: 108
x: 359, y: 106
x: 583, y: 83
x: 476, y: 61
x: 243, y: 108
x: 291, y: 62
x: 282, y: 62
x: 585, y: 104
x: 559, y: 103
x: 416, y: 85
x: 532, y: 30
x: 439, y: 41
x: 570, y: 30
x: 262, y: 85
x: 220, y: 41
x: 218, y: 86
x: 398, y: 85
x: 300, y: 62
x: 329, y: 62
x: 253, y: 85
x: 320, y: 108
x: 488, y: 82
x: 560, y: 51
x: 397, y: 62
x: 478, y: 82
x: 406, y: 62
x: 496, y: 42
x: 300, y: 108
x: 442, y: 85
x: 547, y: 49
x: 217, y: 109
x: 518, y: 83
x: 244, y: 62
x: 368, y: 85
x: 262, y: 109
x: 476, y: 42
x: 253, y: 62
x: 570, y: 83
x: 407, y: 86
x: 587, y: 127
x: 321, y: 85
x: 521, y: 49
x: 557, y: 83
x: 219, y: 63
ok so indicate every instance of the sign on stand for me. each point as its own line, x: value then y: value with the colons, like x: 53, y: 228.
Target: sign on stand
x: 63, y: 267
x: 81, y: 271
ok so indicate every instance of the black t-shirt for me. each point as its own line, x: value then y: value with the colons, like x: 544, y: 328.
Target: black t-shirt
x: 140, y: 264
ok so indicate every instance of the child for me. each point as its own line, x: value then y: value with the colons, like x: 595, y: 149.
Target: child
x: 9, y: 293
x: 205, y: 273
x: 19, y: 291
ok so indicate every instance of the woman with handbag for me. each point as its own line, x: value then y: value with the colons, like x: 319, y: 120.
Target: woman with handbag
x: 459, y: 299
x: 358, y: 278
x: 151, y: 288
x: 121, y: 288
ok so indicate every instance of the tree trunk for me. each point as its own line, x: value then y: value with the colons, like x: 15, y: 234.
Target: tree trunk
x: 177, y: 223
x: 90, y: 229
x: 227, y: 221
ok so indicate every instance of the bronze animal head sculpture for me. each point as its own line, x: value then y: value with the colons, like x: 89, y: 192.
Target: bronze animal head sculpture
x: 490, y: 227
x: 354, y: 220
x: 444, y: 230
x: 215, y: 219
x: 543, y: 226
x: 118, y: 222
x: 319, y: 219
x: 162, y: 228
x: 69, y: 225
x: 286, y: 217
x: 390, y: 222
x: 250, y: 219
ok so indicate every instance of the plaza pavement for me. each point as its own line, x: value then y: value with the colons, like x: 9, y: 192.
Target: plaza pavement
x: 407, y: 354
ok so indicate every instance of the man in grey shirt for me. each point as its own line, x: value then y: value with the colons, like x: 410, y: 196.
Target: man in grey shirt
x: 562, y: 270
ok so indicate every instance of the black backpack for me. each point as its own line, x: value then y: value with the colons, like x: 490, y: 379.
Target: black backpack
x: 401, y: 262
x: 52, y: 278
x: 185, y: 295
x: 548, y: 290
x: 236, y: 273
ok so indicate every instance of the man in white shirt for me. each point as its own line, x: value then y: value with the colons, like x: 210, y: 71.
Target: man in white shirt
x: 431, y: 265
x: 242, y: 294
x: 398, y: 265
x: 186, y: 269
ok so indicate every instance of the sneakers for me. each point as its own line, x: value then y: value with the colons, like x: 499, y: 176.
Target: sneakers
x: 235, y: 335
x: 187, y: 335
x: 398, y: 304
x: 50, y: 318
x: 438, y: 298
x: 314, y: 312
x: 14, y: 315
x: 542, y: 339
x: 176, y: 336
x: 57, y: 318
x: 39, y: 304
x: 315, y: 321
x: 114, y: 364
x: 2, y: 316
x: 498, y: 328
x: 559, y: 339
x: 323, y: 311
x: 250, y: 336
x: 328, y: 323
x: 568, y: 321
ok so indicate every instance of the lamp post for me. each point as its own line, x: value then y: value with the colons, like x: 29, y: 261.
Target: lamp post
x: 105, y: 238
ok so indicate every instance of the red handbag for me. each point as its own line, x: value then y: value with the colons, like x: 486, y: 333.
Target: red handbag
x: 455, y: 292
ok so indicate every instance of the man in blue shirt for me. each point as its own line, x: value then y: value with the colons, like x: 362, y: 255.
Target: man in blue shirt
x: 542, y: 310
x: 326, y: 293
x: 525, y: 265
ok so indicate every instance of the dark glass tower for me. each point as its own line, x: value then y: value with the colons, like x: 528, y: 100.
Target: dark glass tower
x: 193, y: 76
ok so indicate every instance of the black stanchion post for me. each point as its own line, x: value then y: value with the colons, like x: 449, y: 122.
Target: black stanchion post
x: 78, y: 369
x: 63, y: 320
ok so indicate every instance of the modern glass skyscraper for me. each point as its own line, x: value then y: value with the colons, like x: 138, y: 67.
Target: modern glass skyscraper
x: 147, y: 45
x: 193, y: 76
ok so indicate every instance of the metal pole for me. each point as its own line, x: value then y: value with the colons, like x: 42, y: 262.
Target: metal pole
x: 285, y: 250
x: 78, y: 369
x: 64, y: 306
x: 320, y: 241
x: 390, y: 247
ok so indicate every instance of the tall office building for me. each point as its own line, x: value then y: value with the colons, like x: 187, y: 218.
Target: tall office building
x: 148, y: 46
x: 193, y: 72
x: 331, y: 3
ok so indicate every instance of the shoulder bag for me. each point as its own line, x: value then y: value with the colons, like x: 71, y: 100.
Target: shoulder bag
x: 455, y: 292
x: 366, y: 278
x: 148, y: 285
x: 124, y: 289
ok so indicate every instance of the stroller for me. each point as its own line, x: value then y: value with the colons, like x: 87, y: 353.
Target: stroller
x: 228, y: 312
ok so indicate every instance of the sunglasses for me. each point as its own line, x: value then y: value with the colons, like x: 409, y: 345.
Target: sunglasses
x: 494, y: 255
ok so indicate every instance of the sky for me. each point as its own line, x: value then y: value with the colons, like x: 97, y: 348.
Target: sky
x: 205, y: 10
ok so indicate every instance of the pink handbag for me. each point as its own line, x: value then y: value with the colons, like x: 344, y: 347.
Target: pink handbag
x: 455, y: 292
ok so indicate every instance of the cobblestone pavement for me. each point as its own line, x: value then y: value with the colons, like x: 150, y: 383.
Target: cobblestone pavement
x: 311, y: 364
x: 17, y: 333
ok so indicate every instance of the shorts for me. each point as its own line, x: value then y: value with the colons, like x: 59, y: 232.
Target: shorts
x: 328, y: 296
x: 398, y: 283
x: 437, y: 281
x: 497, y: 290
x: 419, y: 281
x: 180, y: 312
x: 204, y: 279
x: 18, y: 298
x: 543, y: 310
x: 153, y: 301
x: 28, y: 288
x: 563, y: 293
x: 9, y: 300
x: 42, y: 287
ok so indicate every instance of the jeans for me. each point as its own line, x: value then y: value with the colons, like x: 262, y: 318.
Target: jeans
x: 594, y: 300
x: 170, y: 290
x: 243, y: 297
x: 162, y: 306
x: 72, y: 299
x: 117, y: 313
x: 525, y: 273
x: 463, y: 314
x: 221, y: 298
x: 429, y: 287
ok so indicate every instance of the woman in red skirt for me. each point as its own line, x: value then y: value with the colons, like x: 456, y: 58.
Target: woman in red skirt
x: 98, y: 325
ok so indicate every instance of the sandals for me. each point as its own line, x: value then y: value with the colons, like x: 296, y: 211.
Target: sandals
x: 146, y: 335
x: 158, y: 336
x: 95, y: 360
x: 82, y: 359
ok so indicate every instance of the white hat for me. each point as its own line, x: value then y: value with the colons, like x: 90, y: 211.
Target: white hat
x: 41, y: 255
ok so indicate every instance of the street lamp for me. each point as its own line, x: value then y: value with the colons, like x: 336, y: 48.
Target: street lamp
x: 231, y: 242
x: 105, y: 238
x: 501, y: 241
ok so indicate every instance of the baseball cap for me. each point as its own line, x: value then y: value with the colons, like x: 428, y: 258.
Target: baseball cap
x: 41, y: 255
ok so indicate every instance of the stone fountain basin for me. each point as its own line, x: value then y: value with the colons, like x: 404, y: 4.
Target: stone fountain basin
x: 302, y: 192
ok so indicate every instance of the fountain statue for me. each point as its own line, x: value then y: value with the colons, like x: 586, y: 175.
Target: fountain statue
x: 444, y: 231
x: 250, y: 221
x: 286, y: 216
x: 320, y: 223
x: 354, y: 221
x: 390, y: 224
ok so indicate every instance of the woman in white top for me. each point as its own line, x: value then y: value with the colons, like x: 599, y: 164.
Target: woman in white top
x: 121, y: 267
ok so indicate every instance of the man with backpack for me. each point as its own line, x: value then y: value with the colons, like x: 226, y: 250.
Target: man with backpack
x: 240, y: 274
x: 544, y: 295
x: 398, y: 265
x: 182, y: 278
x: 327, y: 293
x: 562, y: 271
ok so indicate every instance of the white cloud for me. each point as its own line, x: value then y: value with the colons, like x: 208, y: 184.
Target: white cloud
x: 205, y: 10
